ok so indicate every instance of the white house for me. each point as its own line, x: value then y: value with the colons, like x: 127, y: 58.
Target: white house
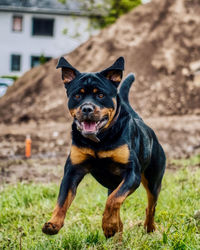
x: 34, y: 30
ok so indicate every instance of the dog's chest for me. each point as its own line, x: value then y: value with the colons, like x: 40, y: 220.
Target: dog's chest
x: 117, y: 155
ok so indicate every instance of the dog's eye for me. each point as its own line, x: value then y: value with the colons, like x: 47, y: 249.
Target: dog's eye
x: 100, y: 95
x: 77, y: 96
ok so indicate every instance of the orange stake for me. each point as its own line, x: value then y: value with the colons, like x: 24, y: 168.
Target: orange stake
x: 28, y: 146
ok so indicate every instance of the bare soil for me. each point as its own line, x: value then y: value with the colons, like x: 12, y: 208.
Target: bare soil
x: 179, y: 136
x: 43, y: 170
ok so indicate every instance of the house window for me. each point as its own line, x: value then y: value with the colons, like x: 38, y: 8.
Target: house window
x: 37, y: 60
x: 42, y: 27
x: 15, y: 62
x: 17, y: 23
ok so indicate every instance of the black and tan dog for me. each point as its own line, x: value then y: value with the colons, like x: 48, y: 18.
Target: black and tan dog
x: 110, y: 141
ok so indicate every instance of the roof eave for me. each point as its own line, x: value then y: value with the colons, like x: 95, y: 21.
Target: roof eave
x: 36, y: 10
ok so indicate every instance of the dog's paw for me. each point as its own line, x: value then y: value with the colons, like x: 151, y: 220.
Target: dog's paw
x: 149, y: 227
x: 110, y: 229
x: 50, y: 228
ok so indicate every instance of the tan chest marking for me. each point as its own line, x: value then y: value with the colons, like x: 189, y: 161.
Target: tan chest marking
x: 79, y: 155
x: 120, y: 154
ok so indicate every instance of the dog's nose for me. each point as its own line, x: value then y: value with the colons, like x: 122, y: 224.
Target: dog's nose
x: 87, y: 109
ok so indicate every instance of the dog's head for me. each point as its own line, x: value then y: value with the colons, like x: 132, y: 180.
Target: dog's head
x: 92, y: 96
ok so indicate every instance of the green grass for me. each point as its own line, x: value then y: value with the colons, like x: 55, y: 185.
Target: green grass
x: 192, y: 161
x: 25, y: 207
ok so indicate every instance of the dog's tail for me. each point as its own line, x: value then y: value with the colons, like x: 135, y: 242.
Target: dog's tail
x: 124, y: 91
x: 125, y: 87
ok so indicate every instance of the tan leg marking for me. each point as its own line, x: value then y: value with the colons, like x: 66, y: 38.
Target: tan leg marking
x: 111, y: 222
x: 57, y: 220
x: 149, y: 224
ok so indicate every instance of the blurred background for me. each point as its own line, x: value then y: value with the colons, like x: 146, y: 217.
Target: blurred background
x: 160, y: 41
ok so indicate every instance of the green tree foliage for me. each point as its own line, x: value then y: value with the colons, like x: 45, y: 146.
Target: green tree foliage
x: 109, y: 10
x: 117, y: 8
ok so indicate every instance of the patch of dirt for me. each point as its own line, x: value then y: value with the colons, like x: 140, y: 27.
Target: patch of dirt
x: 179, y: 135
x: 35, y: 169
x: 48, y: 139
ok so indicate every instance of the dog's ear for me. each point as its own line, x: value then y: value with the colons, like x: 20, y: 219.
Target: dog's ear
x: 68, y: 72
x: 115, y: 72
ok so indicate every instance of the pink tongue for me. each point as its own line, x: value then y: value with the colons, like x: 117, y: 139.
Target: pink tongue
x: 89, y: 126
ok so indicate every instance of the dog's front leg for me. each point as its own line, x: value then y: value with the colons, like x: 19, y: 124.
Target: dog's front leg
x: 72, y: 177
x: 111, y: 222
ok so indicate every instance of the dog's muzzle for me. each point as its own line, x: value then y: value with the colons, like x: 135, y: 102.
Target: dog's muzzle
x: 90, y: 122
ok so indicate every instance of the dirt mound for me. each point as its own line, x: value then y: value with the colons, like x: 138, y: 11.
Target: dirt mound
x: 161, y: 44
